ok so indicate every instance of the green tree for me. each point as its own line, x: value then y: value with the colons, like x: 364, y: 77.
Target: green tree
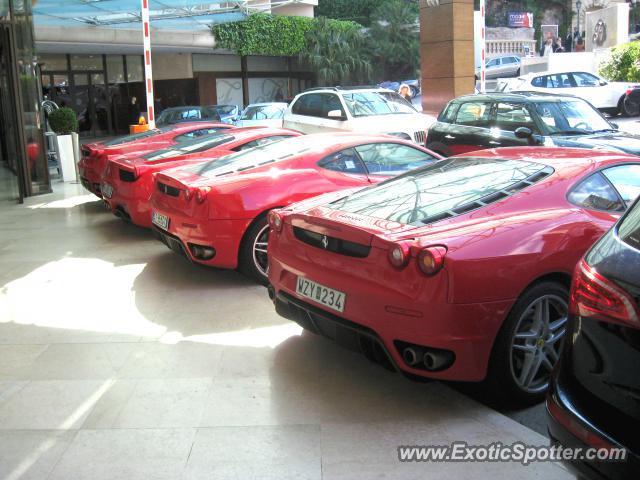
x: 623, y: 65
x: 395, y: 39
x: 337, y: 56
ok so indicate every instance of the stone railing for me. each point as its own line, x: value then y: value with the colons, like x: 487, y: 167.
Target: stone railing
x: 496, y: 48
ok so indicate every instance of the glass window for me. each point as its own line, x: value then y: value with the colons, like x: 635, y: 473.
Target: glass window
x: 195, y: 134
x: 571, y: 117
x: 449, y: 114
x: 115, y: 69
x: 626, y: 179
x: 363, y: 104
x: 261, y: 141
x: 585, y: 80
x: 196, y: 145
x: 443, y: 189
x: 493, y: 63
x: 510, y: 117
x: 263, y: 112
x: 86, y: 62
x: 52, y: 63
x: 560, y: 80
x: 629, y: 229
x: 474, y: 113
x: 345, y: 161
x: 391, y: 159
x: 539, y: 82
x: 309, y: 105
x: 133, y: 138
x: 135, y: 72
x: 597, y: 194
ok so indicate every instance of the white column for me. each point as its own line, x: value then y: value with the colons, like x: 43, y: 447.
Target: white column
x: 483, y: 47
x: 148, y: 69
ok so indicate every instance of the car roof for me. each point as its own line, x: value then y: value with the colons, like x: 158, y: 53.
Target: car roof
x: 264, y: 131
x: 561, y: 159
x: 267, y: 104
x: 520, y: 96
x: 372, y: 88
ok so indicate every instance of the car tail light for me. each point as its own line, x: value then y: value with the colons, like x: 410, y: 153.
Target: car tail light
x: 188, y: 194
x: 201, y: 194
x: 629, y: 90
x: 276, y: 220
x: 593, y: 296
x: 431, y: 260
x: 399, y: 254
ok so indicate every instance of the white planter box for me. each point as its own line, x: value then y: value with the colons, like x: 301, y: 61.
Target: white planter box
x: 66, y: 158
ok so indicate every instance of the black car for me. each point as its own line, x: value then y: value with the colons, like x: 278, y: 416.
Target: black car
x: 631, y: 103
x: 594, y: 396
x: 474, y: 122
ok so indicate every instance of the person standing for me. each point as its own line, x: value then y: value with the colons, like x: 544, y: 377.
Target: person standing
x: 547, y: 48
x: 568, y: 42
x: 134, y: 111
x: 405, y: 92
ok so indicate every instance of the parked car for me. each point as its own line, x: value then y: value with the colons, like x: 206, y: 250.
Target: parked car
x: 459, y: 270
x: 128, y: 182
x: 216, y: 213
x: 262, y: 115
x: 94, y: 156
x: 593, y: 397
x: 215, y: 113
x: 605, y: 96
x: 474, y: 122
x: 631, y: 103
x: 501, y: 67
x: 364, y: 110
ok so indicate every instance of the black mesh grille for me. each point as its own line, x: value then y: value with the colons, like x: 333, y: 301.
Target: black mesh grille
x: 331, y: 244
x: 168, y: 190
x: 127, y: 176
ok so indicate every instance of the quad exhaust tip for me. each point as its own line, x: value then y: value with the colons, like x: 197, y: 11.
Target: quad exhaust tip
x: 426, y: 358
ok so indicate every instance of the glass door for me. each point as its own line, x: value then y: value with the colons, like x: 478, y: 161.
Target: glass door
x: 91, y: 103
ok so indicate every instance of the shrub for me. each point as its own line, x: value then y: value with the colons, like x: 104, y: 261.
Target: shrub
x: 63, y: 121
x: 623, y: 64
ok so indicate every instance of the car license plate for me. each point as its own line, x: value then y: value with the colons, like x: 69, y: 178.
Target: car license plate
x: 160, y: 220
x: 107, y: 190
x: 326, y: 296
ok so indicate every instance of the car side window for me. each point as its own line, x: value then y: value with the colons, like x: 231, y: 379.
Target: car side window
x: 626, y: 179
x: 493, y: 63
x: 260, y: 141
x: 392, y: 158
x: 194, y: 134
x: 308, y: 105
x: 511, y: 116
x: 596, y: 193
x: 474, y: 114
x: 560, y: 80
x: 585, y: 80
x: 539, y: 82
x: 344, y: 161
x: 331, y: 103
x: 449, y: 114
x: 186, y: 114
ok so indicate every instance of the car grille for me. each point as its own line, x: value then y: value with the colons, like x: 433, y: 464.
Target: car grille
x: 420, y: 137
x: 331, y: 244
x: 168, y: 190
x: 127, y: 176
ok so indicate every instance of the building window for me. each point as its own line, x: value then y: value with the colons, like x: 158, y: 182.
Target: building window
x: 134, y: 68
x: 86, y: 62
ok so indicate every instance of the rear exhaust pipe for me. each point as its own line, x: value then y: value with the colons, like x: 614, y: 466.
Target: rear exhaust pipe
x: 435, y: 360
x: 272, y: 292
x: 410, y: 356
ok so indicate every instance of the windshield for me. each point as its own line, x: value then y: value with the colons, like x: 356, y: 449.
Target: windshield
x: 262, y: 155
x: 365, y: 104
x: 263, y: 112
x: 571, y: 117
x: 196, y: 145
x: 223, y: 109
x: 135, y: 137
x: 444, y: 189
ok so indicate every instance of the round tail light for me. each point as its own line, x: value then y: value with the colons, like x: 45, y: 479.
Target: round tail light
x: 201, y: 194
x: 431, y: 260
x: 276, y: 221
x: 399, y: 255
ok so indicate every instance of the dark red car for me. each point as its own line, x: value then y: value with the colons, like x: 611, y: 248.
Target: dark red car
x: 94, y: 156
x: 216, y: 213
x: 457, y: 271
x: 128, y: 182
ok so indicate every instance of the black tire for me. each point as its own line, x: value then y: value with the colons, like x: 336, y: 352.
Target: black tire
x: 501, y: 381
x: 629, y: 109
x: 248, y: 263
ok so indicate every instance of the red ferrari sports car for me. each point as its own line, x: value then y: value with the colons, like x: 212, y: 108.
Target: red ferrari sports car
x: 94, y: 156
x: 216, y: 213
x: 128, y: 182
x: 459, y: 270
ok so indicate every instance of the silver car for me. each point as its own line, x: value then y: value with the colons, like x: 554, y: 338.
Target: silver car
x: 501, y: 67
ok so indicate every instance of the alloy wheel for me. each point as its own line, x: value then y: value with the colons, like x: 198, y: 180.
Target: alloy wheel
x: 260, y: 244
x: 537, y: 342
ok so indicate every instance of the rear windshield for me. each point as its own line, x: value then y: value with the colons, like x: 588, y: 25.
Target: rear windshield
x: 258, y: 156
x: 199, y: 144
x: 444, y: 189
x: 263, y: 112
x: 629, y: 229
x: 135, y: 136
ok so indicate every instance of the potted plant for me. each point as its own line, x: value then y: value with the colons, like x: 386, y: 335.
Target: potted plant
x: 64, y: 122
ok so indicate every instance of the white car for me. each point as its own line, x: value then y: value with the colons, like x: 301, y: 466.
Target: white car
x: 262, y: 115
x: 365, y: 110
x: 605, y: 96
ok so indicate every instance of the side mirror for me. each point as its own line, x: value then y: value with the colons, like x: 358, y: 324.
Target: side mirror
x: 602, y: 83
x: 523, y: 133
x: 336, y: 115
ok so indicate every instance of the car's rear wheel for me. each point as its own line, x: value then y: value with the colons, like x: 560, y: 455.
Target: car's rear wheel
x: 529, y: 344
x: 253, y: 261
x: 629, y: 108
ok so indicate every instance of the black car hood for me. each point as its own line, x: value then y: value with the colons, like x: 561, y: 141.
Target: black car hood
x: 616, y: 141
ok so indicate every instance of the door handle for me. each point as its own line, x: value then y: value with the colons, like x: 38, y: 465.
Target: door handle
x: 449, y: 137
x: 493, y: 142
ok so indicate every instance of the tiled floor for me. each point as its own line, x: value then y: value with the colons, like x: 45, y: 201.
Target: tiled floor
x: 119, y: 360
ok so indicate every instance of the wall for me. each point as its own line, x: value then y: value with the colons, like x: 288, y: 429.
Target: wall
x: 607, y: 27
x: 172, y: 66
